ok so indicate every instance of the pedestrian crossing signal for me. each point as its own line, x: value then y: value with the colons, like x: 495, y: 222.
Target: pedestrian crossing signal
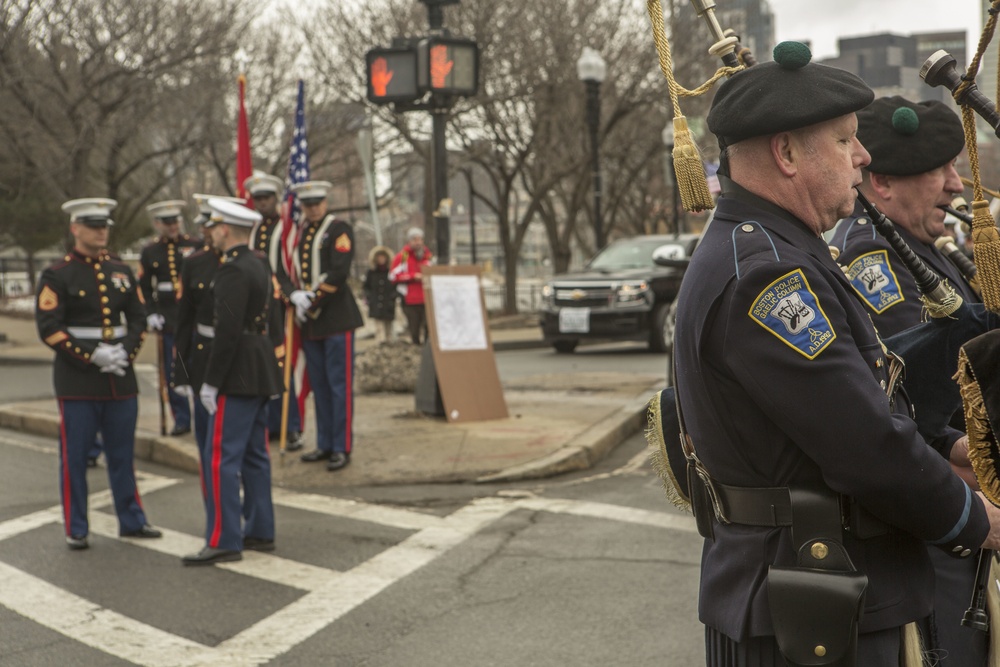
x: 392, y: 75
x: 448, y: 65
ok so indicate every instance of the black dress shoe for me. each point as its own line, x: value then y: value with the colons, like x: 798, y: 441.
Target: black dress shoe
x: 294, y: 442
x: 316, y: 455
x: 210, y: 556
x: 77, y: 542
x: 258, y: 544
x: 146, y: 531
x: 338, y: 460
x: 181, y: 430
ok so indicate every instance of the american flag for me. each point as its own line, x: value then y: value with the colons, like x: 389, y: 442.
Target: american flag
x: 298, y: 158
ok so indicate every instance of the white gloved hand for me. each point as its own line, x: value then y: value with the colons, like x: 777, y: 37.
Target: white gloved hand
x: 104, y: 355
x: 155, y: 322
x: 184, y: 390
x: 208, y: 396
x: 302, y: 298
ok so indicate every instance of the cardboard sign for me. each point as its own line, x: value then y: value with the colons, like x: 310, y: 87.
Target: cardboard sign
x: 460, y: 342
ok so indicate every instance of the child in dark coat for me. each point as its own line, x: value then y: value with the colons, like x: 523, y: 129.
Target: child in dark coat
x: 380, y: 293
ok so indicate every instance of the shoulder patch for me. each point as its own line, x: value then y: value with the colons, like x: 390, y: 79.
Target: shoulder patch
x: 343, y: 243
x: 789, y: 309
x: 48, y: 299
x: 874, y: 279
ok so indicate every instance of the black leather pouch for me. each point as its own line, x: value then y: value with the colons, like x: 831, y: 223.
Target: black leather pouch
x: 816, y: 614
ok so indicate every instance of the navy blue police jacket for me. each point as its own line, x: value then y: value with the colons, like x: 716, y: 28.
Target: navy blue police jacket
x: 880, y: 278
x: 323, y: 259
x: 242, y: 361
x: 159, y: 275
x: 781, y: 377
x: 195, y: 315
x: 81, y: 302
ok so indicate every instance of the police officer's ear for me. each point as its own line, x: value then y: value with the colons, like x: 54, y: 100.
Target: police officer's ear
x: 788, y: 150
x: 881, y: 185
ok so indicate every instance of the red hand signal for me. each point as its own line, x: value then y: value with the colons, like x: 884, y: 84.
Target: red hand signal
x: 381, y: 76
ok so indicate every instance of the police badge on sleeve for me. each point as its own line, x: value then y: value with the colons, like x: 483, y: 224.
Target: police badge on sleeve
x: 872, y: 277
x: 789, y: 309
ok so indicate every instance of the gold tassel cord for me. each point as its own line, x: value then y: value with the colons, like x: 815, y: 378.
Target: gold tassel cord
x: 982, y: 440
x: 985, y: 238
x: 658, y: 457
x: 688, y: 166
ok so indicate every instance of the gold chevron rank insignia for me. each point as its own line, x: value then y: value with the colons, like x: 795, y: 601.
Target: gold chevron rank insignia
x: 48, y: 299
x: 343, y: 243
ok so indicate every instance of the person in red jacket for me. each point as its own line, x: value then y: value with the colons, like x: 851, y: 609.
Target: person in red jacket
x: 407, y: 273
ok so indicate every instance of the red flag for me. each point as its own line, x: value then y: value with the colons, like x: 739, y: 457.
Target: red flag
x: 244, y: 161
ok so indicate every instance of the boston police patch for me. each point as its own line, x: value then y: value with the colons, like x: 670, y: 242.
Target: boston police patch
x: 789, y: 309
x: 872, y: 277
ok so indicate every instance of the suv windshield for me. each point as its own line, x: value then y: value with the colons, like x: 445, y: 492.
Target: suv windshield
x: 630, y: 254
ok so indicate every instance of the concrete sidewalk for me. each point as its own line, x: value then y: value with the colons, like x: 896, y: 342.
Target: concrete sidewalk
x: 557, y: 423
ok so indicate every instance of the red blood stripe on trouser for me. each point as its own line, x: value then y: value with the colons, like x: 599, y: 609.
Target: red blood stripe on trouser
x: 216, y: 459
x: 67, y: 499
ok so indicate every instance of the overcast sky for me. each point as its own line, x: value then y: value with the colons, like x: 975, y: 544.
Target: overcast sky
x: 823, y: 21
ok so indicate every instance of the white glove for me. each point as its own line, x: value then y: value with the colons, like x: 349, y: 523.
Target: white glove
x: 110, y: 358
x: 302, y: 298
x: 155, y: 322
x: 184, y: 390
x: 208, y: 396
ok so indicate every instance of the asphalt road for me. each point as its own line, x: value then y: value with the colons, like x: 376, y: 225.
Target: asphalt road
x: 590, y: 569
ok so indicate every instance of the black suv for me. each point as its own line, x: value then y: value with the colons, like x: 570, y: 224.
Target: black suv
x: 620, y: 295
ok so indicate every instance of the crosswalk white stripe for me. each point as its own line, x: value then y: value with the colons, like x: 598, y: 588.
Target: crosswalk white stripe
x: 352, y: 509
x: 680, y: 522
x: 91, y: 624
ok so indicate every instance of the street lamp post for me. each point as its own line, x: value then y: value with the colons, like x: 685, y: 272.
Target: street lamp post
x: 591, y: 69
x: 668, y: 166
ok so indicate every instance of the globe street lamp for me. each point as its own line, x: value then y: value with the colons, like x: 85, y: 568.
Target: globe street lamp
x: 591, y: 70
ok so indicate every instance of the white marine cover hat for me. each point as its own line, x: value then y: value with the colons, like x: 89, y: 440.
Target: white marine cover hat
x: 202, y: 201
x: 230, y: 213
x: 263, y: 184
x: 312, y: 190
x: 166, y: 209
x: 93, y: 209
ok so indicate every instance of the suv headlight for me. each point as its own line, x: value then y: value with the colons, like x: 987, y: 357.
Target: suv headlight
x: 548, y: 294
x: 632, y: 292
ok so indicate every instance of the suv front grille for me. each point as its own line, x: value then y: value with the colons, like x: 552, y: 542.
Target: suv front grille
x: 591, y: 296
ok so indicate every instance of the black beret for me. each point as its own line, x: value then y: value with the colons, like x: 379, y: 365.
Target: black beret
x: 786, y: 94
x: 906, y: 138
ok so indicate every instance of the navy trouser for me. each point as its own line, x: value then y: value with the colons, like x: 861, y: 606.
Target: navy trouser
x: 237, y: 450
x: 274, y: 411
x: 179, y: 406
x: 330, y: 363
x: 80, y: 423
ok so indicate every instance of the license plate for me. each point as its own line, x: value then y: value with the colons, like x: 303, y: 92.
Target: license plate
x: 574, y: 320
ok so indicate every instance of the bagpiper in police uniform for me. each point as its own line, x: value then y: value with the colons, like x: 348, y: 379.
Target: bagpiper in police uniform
x: 328, y: 315
x: 267, y: 238
x: 913, y: 148
x: 89, y: 311
x: 195, y: 310
x: 242, y: 373
x: 816, y: 499
x: 159, y: 278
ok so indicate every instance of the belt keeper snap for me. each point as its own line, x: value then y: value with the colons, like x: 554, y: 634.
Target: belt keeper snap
x: 819, y: 551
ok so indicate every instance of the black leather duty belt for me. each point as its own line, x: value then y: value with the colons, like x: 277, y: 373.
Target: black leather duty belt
x: 772, y: 507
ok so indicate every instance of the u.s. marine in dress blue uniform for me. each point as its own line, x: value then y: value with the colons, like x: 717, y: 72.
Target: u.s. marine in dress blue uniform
x: 159, y: 278
x: 241, y: 374
x: 89, y: 311
x: 913, y: 149
x: 268, y: 238
x: 782, y: 379
x: 328, y: 315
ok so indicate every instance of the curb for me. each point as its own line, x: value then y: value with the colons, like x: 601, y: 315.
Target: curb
x: 588, y: 450
x: 164, y: 450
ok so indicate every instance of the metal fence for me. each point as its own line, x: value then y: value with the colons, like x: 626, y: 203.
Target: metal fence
x: 529, y: 298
